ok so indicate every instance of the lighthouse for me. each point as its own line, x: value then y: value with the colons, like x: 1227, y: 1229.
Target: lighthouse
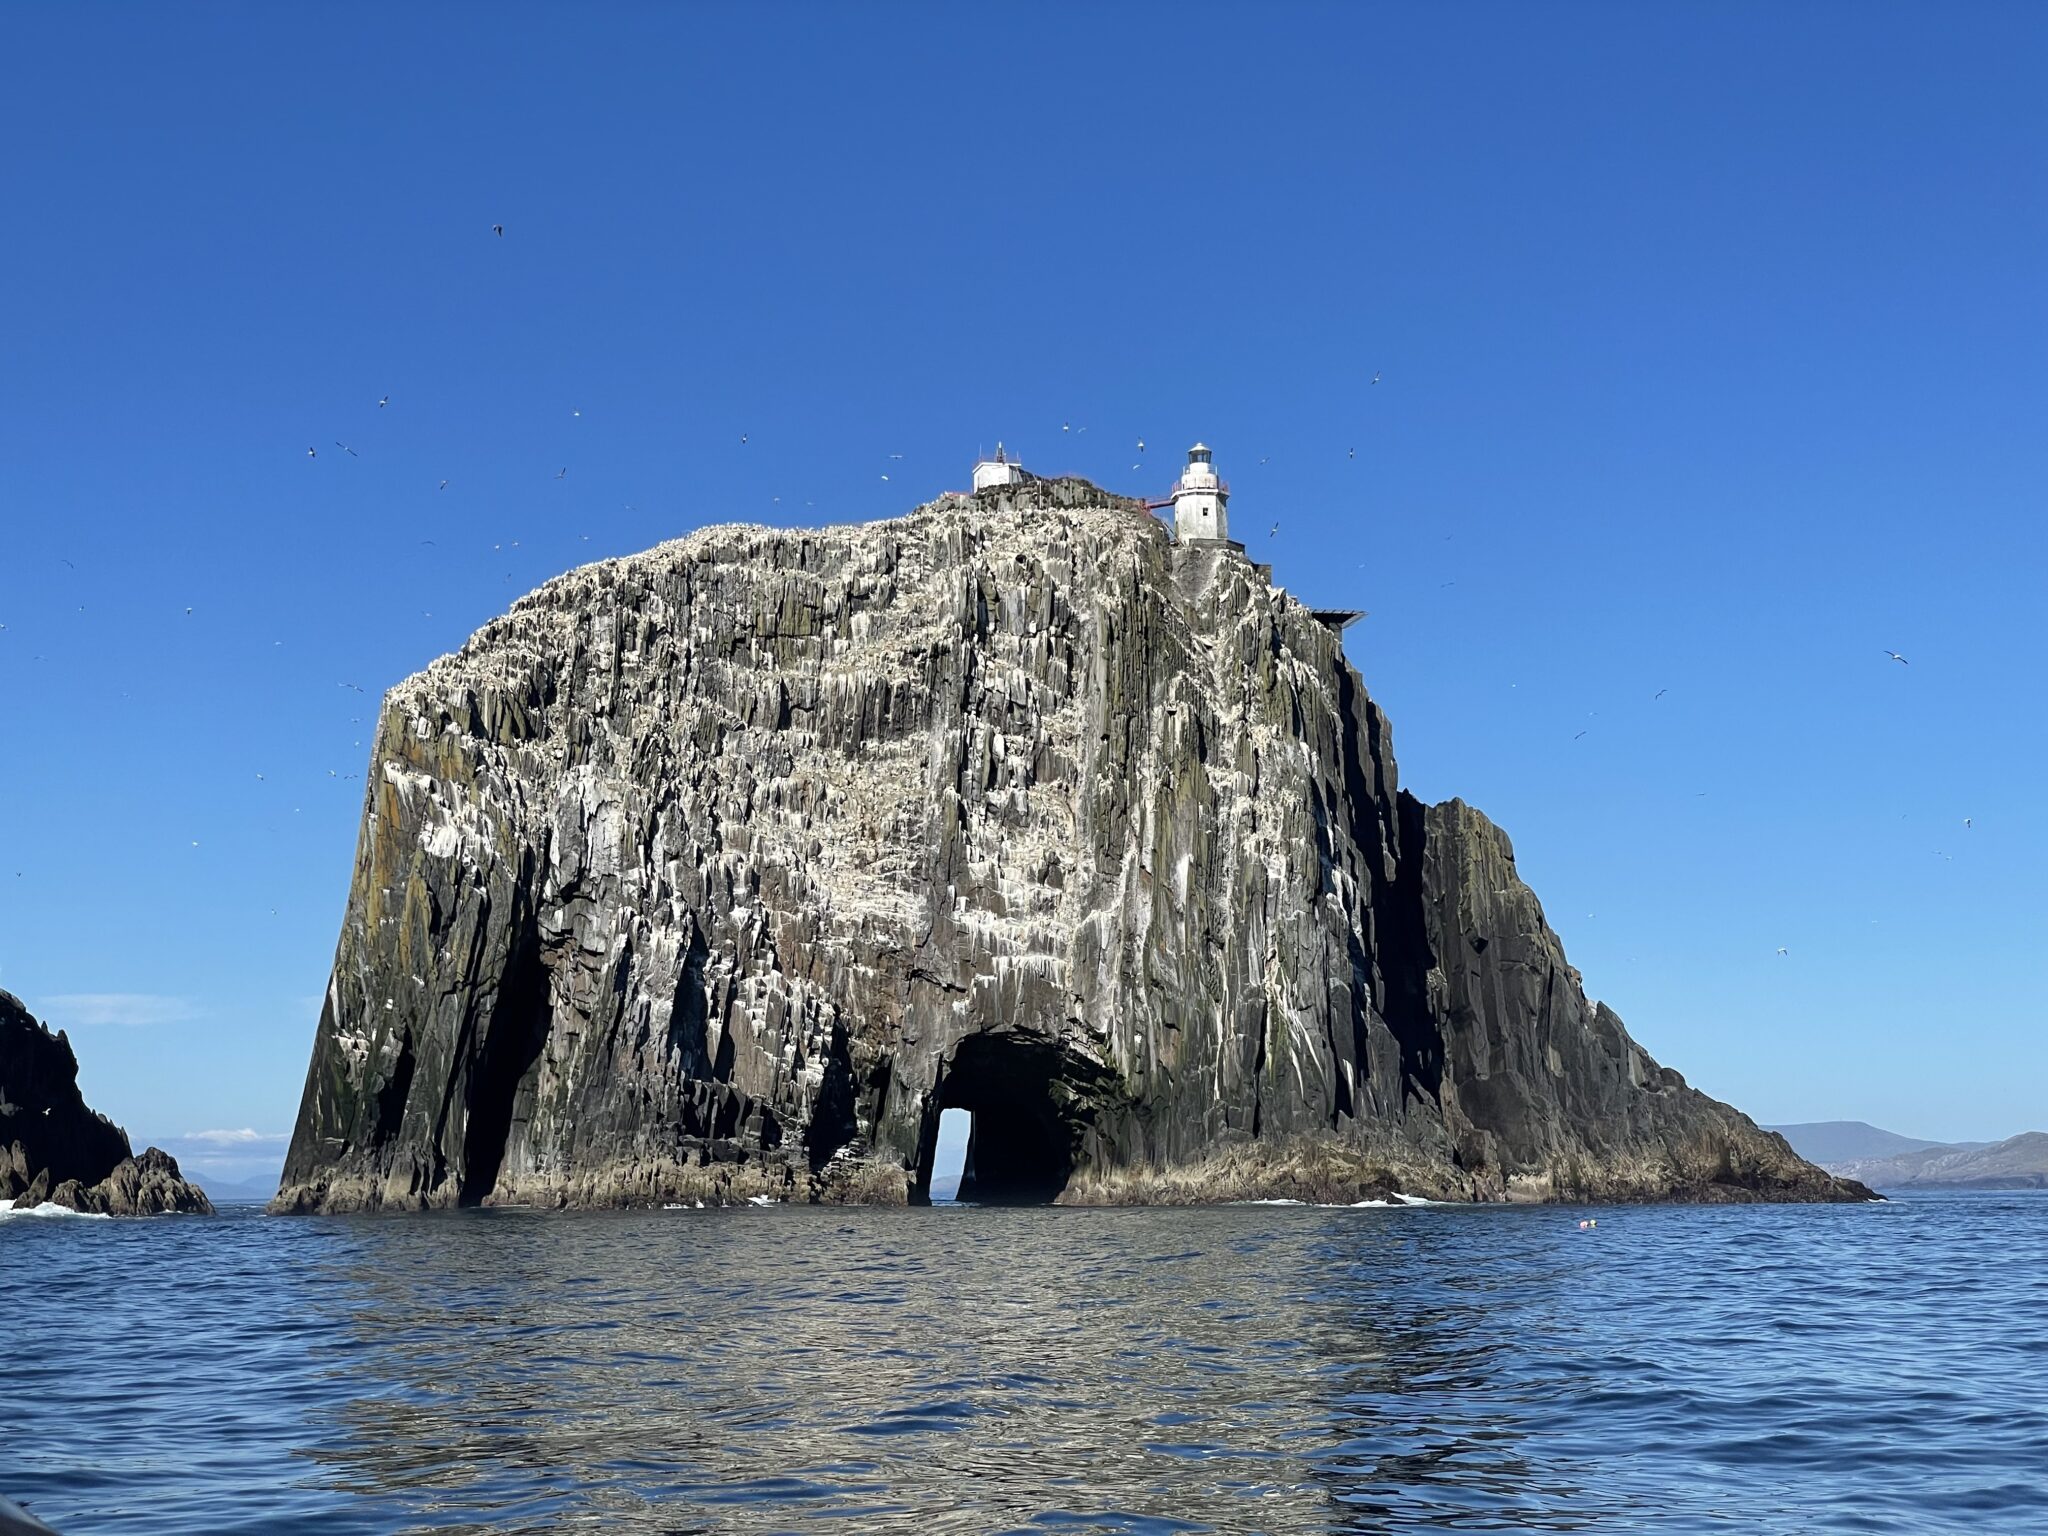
x: 1199, y: 500
x: 990, y: 473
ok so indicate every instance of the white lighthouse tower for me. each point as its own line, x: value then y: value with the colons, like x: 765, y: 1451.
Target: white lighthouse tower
x: 1200, y: 500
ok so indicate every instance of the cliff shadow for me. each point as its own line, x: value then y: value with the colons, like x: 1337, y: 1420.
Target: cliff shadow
x: 1031, y: 1126
x: 511, y: 1043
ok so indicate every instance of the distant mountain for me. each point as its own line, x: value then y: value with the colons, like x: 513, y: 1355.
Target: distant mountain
x: 2018, y: 1162
x: 1848, y: 1141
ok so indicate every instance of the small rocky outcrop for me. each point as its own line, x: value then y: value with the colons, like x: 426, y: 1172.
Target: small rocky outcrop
x: 723, y: 870
x: 53, y: 1148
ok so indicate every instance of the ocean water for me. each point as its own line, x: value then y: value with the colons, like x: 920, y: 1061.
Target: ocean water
x: 1284, y: 1369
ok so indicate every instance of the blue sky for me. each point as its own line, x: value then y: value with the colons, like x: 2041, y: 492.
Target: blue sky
x: 1711, y: 342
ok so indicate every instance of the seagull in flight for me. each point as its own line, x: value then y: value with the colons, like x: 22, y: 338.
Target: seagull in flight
x: 1895, y: 656
x: 1275, y: 532
x: 498, y: 230
x: 1659, y: 694
x: 1141, y: 445
x: 443, y: 486
x: 312, y: 453
x: 1783, y: 950
x: 384, y: 402
x: 344, y: 447
x: 1966, y: 823
x: 562, y: 472
x: 1375, y: 376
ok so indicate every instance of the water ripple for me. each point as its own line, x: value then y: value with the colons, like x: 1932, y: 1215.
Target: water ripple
x: 1267, y: 1369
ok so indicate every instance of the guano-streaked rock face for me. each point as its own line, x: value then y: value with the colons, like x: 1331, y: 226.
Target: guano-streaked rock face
x: 55, y: 1149
x: 721, y: 870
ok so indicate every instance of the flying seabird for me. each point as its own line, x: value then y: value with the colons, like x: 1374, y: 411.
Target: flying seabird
x: 312, y: 453
x: 344, y: 447
x: 1895, y: 656
x: 1375, y: 377
x: 1783, y: 950
x: 384, y: 402
x: 498, y: 230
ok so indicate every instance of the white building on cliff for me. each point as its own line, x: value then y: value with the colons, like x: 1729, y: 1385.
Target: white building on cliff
x: 1200, y: 501
x: 990, y: 473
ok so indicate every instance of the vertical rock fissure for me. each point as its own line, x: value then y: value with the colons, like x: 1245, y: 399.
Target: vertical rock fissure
x: 513, y: 1039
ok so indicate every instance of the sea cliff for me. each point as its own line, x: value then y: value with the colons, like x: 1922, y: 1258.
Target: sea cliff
x: 721, y: 870
x: 54, y: 1149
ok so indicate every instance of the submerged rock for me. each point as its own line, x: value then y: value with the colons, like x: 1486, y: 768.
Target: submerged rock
x: 720, y: 871
x: 53, y: 1148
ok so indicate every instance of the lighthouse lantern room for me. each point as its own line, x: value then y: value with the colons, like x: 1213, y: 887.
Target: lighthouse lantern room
x: 1200, y: 500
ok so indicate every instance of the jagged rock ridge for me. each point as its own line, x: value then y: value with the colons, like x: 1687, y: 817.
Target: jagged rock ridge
x: 53, y: 1148
x: 722, y: 870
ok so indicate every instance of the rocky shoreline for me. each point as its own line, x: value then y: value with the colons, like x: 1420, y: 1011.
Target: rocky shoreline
x: 55, y: 1150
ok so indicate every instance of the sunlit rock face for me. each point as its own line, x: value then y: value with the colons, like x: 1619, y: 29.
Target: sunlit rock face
x: 721, y: 871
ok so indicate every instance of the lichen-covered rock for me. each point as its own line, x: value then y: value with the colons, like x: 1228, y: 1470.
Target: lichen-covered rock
x: 53, y: 1148
x: 718, y: 872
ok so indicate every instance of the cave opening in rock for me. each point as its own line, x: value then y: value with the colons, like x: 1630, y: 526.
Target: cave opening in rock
x: 1026, y: 1132
x: 949, y: 1157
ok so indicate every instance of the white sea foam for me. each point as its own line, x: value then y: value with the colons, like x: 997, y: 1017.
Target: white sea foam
x: 1355, y: 1205
x: 49, y: 1208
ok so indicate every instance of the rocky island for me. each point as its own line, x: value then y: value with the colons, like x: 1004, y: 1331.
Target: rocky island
x: 721, y: 871
x: 54, y: 1149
